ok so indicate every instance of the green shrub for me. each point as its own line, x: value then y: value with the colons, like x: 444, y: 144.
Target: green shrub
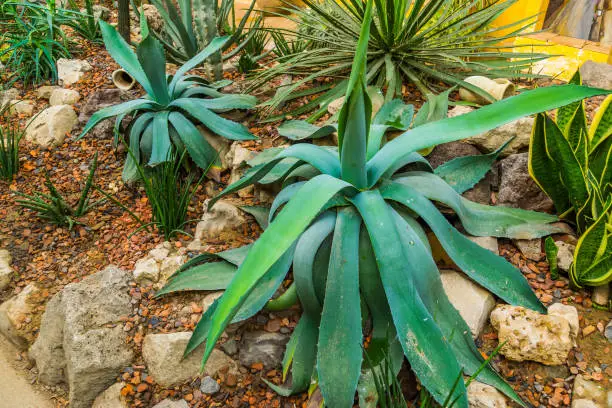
x: 572, y: 163
x: 165, y: 119
x: 10, y: 137
x: 422, y: 42
x: 350, y: 227
x: 54, y: 208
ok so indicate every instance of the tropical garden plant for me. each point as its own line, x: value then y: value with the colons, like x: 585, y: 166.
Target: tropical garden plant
x: 572, y: 164
x: 421, y: 42
x: 166, y: 118
x: 350, y: 225
x: 10, y: 137
x: 54, y: 207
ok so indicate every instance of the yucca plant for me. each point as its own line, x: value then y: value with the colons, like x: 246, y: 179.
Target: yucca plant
x: 165, y: 119
x: 10, y: 137
x: 572, y: 164
x: 350, y: 227
x: 85, y: 24
x: 32, y: 40
x: 416, y: 41
x: 54, y: 208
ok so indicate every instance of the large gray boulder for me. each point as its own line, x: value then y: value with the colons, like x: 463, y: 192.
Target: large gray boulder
x: 81, y: 341
x: 517, y: 188
x: 49, y: 128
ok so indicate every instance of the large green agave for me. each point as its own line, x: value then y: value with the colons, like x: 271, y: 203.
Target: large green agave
x: 166, y: 117
x: 351, y: 229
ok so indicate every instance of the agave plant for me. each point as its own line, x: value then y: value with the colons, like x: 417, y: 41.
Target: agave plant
x: 166, y: 117
x: 422, y: 42
x: 351, y: 228
x: 572, y: 163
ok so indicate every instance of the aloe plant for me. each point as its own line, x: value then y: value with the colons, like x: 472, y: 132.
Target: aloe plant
x: 572, y: 163
x: 166, y: 118
x: 350, y: 225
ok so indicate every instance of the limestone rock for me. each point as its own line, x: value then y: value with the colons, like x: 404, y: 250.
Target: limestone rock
x: 517, y: 189
x: 489, y: 243
x: 111, y: 398
x: 608, y: 331
x: 163, y: 355
x: 529, y: 335
x: 588, y: 394
x: 209, y: 299
x: 570, y: 314
x: 209, y: 386
x: 6, y: 271
x: 237, y: 158
x: 154, y: 19
x: 13, y: 313
x: 601, y: 294
x: 473, y: 302
x: 81, y: 340
x: 7, y: 96
x: 530, y: 248
x: 170, y: 265
x: 49, y: 128
x: 262, y: 347
x: 220, y: 144
x: 61, y: 96
x: 484, y: 396
x: 481, y: 192
x: 146, y: 270
x: 45, y: 91
x: 565, y: 255
x: 223, y: 218
x: 70, y: 71
x: 596, y: 74
x: 168, y: 403
x: 18, y: 107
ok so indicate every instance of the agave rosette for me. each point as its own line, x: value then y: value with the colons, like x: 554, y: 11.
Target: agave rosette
x: 166, y: 118
x: 349, y: 223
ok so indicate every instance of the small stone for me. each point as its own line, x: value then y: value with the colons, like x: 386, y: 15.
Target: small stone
x: 489, y: 243
x: 517, y: 188
x: 569, y: 313
x: 589, y: 394
x: 49, y: 128
x: 111, y: 398
x: 223, y: 218
x: 473, y: 302
x: 13, y: 313
x: 6, y: 271
x: 601, y: 295
x: 565, y: 255
x: 70, y: 71
x: 209, y: 386
x: 146, y: 270
x: 7, y: 96
x: 484, y: 396
x: 262, y: 347
x: 44, y: 92
x: 608, y: 331
x: 61, y: 96
x: 588, y: 330
x: 25, y: 108
x: 528, y: 335
x: 530, y: 248
x: 168, y: 403
x: 230, y: 347
x: 160, y: 252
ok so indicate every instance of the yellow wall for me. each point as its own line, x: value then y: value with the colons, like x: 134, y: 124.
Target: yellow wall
x: 521, y: 10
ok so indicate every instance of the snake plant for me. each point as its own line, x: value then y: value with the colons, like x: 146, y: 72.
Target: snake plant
x: 572, y: 163
x: 427, y: 43
x: 350, y: 225
x: 166, y: 118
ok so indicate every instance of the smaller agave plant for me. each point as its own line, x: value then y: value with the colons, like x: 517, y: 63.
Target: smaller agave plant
x: 350, y: 222
x: 166, y: 118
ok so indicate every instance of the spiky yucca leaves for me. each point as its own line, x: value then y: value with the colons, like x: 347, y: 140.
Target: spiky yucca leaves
x: 351, y: 228
x: 10, y: 137
x: 416, y: 41
x: 54, y: 208
x: 572, y: 163
x: 165, y: 119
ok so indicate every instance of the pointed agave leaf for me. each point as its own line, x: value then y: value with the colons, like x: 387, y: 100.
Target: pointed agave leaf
x: 200, y: 151
x: 340, y: 333
x: 476, y: 122
x: 300, y: 130
x: 153, y: 61
x: 424, y: 345
x: 162, y: 147
x: 270, y: 246
x: 109, y: 112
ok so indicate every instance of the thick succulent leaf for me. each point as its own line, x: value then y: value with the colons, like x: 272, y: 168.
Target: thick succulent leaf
x: 228, y: 102
x: 476, y: 122
x: 463, y: 173
x: 200, y: 151
x: 278, y: 238
x: 413, y: 158
x: 124, y: 56
x: 260, y: 213
x: 153, y: 62
x: 109, y: 112
x: 283, y: 197
x: 137, y: 127
x: 394, y: 113
x: 455, y: 329
x: 207, y: 276
x: 600, y: 162
x: 426, y: 348
x: 601, y: 128
x: 576, y: 133
x: 215, y: 45
x: 551, y: 250
x: 566, y: 112
x: 482, y: 220
x: 340, y: 337
x: 162, y: 146
x: 300, y: 130
x: 543, y: 168
x: 196, y: 108
x: 477, y: 262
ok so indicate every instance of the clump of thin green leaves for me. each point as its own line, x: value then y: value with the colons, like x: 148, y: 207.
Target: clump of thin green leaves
x: 169, y: 191
x: 85, y: 23
x: 10, y: 136
x: 53, y: 206
x: 350, y: 222
x: 421, y: 42
x: 253, y: 51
